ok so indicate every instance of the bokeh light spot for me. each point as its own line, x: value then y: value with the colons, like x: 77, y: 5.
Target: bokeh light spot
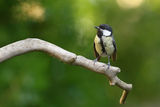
x: 127, y: 4
x: 30, y: 10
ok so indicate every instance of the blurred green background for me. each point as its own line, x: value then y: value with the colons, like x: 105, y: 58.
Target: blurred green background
x: 36, y: 79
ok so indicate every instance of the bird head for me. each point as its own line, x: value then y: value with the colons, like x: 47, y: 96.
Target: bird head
x: 104, y: 30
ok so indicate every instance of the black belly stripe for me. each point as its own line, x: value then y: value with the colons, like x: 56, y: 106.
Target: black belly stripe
x: 103, y: 49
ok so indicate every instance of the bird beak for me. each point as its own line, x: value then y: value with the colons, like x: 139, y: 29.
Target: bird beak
x: 97, y: 27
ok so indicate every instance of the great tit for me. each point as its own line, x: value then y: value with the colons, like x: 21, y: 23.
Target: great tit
x: 104, y: 43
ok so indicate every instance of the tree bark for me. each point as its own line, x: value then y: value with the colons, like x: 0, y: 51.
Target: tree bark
x: 33, y: 44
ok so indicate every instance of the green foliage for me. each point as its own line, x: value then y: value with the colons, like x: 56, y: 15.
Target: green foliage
x: 36, y: 79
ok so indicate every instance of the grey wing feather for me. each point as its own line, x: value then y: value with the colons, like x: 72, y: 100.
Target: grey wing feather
x: 114, y: 55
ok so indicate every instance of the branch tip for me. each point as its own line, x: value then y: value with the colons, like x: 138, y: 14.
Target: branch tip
x: 112, y: 83
x: 124, y: 96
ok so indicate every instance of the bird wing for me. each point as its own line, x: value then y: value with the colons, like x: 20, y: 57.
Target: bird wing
x: 114, y: 55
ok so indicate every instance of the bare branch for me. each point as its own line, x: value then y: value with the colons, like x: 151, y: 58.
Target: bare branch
x: 33, y: 44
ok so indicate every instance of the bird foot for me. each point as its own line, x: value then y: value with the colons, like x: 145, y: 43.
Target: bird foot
x: 108, y: 65
x: 95, y: 60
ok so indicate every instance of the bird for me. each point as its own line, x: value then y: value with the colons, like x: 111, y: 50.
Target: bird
x: 104, y: 43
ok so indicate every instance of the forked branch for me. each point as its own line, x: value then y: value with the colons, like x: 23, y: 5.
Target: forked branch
x: 33, y: 44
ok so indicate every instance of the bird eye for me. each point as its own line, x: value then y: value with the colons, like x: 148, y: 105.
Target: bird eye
x: 102, y: 27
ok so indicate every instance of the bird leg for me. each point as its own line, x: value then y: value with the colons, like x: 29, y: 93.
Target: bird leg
x: 109, y: 62
x: 97, y: 59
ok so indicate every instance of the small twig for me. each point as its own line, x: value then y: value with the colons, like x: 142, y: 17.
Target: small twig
x: 123, y: 97
x: 32, y: 44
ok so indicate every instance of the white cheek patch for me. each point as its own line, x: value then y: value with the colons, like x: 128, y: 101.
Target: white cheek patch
x: 106, y: 33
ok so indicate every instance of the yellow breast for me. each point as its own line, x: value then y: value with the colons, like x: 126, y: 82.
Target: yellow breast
x: 98, y: 45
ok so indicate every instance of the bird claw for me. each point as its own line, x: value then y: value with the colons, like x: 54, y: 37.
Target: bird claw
x: 108, y: 65
x: 95, y: 60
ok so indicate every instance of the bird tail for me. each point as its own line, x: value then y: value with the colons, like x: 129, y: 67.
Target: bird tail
x: 114, y: 56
